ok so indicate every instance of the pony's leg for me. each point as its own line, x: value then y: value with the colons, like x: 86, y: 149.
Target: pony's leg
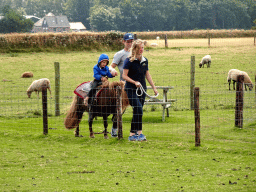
x: 234, y: 85
x: 80, y: 111
x: 79, y: 116
x: 105, y: 119
x: 229, y: 81
x: 90, y: 120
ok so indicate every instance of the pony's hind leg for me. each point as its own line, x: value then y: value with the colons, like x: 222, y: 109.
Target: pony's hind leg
x: 105, y: 120
x: 90, y: 120
x: 80, y: 112
x: 79, y: 116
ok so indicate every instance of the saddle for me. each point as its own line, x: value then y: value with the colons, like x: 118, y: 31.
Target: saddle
x: 83, y: 89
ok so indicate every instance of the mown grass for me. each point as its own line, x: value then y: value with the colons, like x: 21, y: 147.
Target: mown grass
x: 168, y: 161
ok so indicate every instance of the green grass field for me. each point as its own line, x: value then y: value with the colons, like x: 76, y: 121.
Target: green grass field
x: 168, y: 161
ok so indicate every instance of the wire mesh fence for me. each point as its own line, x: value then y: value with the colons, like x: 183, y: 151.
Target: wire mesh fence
x: 217, y: 108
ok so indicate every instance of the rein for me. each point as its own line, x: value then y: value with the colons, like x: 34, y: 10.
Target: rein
x: 143, y: 90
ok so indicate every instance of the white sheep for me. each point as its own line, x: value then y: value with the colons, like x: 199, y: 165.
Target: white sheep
x: 233, y: 74
x: 37, y: 86
x: 206, y: 60
x: 154, y: 44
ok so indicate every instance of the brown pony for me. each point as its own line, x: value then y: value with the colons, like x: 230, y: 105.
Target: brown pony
x: 104, y: 106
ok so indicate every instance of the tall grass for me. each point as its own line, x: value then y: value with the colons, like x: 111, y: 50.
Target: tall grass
x: 104, y: 41
x: 51, y: 42
x: 195, y: 34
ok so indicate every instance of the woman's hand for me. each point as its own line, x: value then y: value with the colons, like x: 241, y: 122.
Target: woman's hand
x: 155, y: 91
x: 137, y: 84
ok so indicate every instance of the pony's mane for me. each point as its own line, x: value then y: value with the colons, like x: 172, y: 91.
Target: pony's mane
x: 113, y: 85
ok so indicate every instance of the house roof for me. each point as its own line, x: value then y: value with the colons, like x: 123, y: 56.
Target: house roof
x: 39, y: 23
x: 31, y: 16
x: 77, y: 26
x: 56, y: 21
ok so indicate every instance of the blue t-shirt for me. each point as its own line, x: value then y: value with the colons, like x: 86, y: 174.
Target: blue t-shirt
x: 137, y: 72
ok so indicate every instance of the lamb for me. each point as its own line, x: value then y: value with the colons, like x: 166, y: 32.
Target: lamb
x: 233, y: 74
x: 27, y: 75
x: 206, y: 60
x: 37, y: 86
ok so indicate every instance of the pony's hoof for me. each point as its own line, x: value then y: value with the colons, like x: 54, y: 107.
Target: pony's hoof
x: 92, y: 136
x: 79, y: 136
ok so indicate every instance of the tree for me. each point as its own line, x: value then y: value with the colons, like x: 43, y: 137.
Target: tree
x: 254, y: 27
x: 103, y: 18
x: 79, y: 11
x: 151, y: 15
x: 128, y: 19
x: 205, y: 12
x: 14, y: 22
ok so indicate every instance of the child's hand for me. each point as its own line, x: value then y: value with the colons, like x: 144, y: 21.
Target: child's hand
x: 114, y: 73
x: 103, y: 79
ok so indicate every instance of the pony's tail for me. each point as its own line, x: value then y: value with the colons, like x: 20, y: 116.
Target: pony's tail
x: 75, y: 113
x: 125, y: 101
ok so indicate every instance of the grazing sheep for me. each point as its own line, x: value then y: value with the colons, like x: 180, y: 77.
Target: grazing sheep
x: 233, y: 74
x: 27, y: 75
x: 154, y: 44
x: 37, y: 86
x: 206, y: 60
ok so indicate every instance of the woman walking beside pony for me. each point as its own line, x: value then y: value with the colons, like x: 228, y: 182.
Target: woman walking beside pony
x: 135, y: 71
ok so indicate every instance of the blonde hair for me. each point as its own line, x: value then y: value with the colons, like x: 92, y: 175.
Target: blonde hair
x: 135, y: 48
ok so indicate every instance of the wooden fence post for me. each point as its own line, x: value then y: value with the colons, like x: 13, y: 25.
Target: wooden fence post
x: 254, y: 39
x: 166, y: 41
x: 197, y: 117
x: 119, y: 112
x: 57, y: 88
x: 135, y: 37
x: 192, y: 82
x: 44, y: 104
x: 239, y: 101
x: 209, y: 38
x: 209, y: 41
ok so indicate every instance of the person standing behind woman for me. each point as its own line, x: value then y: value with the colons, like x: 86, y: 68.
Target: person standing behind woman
x: 120, y: 56
x: 118, y: 61
x: 135, y: 71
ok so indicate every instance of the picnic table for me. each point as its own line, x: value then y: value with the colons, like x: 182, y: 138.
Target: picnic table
x: 166, y: 103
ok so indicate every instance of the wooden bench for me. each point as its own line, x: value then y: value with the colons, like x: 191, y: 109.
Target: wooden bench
x: 166, y: 103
